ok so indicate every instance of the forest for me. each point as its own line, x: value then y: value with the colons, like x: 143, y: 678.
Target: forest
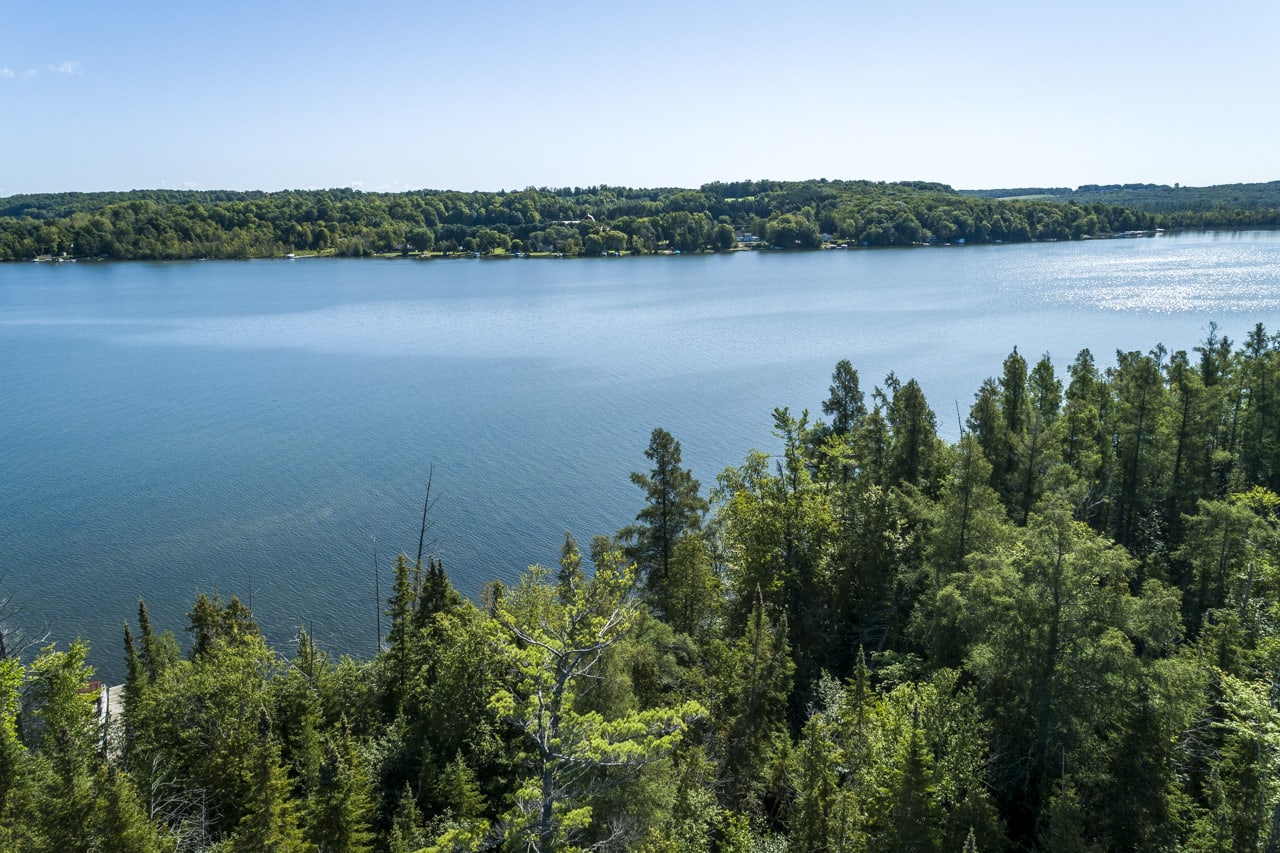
x: 182, y: 224
x: 1057, y: 633
x: 1177, y: 206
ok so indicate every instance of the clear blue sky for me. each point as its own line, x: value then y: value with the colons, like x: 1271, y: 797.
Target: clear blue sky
x: 399, y: 95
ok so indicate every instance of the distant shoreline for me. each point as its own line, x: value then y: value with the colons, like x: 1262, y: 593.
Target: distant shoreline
x: 512, y: 256
x: 160, y: 225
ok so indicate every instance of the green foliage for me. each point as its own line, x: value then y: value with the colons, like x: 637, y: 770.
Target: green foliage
x: 196, y: 746
x: 774, y: 527
x: 1065, y: 824
x: 1243, y: 786
x: 169, y: 224
x: 120, y: 820
x: 695, y: 592
x: 753, y: 678
x: 914, y: 455
x: 553, y: 646
x: 1072, y: 618
x: 407, y: 833
x: 59, y: 711
x: 341, y: 808
x: 12, y: 755
x: 1060, y: 628
x: 903, y: 769
x: 57, y: 794
x: 673, y: 512
x: 214, y: 624
x: 846, y: 405
x: 1229, y: 549
x: 824, y: 816
x: 270, y: 819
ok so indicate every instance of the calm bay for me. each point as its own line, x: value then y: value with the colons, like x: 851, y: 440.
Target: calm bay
x: 258, y: 428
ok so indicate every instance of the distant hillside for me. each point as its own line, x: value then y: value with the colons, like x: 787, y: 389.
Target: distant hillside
x: 176, y: 224
x: 1152, y: 198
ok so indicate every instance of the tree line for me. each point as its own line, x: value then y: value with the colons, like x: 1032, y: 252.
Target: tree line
x: 1220, y: 206
x: 180, y: 224
x: 1060, y: 632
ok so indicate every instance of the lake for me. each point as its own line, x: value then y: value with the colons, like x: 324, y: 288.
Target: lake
x: 257, y: 428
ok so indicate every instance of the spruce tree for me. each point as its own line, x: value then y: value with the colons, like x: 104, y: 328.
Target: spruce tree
x: 673, y: 509
x: 408, y: 834
x: 915, y: 821
x: 120, y: 822
x: 341, y: 808
x: 436, y: 594
x: 846, y: 405
x: 752, y: 712
x: 816, y: 811
x: 570, y: 576
x: 270, y: 821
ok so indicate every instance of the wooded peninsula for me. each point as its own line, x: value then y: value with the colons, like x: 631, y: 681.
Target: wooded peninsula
x: 180, y: 224
x: 1059, y: 633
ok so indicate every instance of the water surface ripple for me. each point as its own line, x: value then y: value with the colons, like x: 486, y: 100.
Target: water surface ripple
x: 252, y: 428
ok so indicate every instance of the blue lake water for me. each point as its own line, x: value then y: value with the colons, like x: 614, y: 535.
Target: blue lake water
x: 251, y: 428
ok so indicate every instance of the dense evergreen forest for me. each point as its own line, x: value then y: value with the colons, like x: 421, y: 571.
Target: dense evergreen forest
x: 1059, y: 633
x: 174, y: 224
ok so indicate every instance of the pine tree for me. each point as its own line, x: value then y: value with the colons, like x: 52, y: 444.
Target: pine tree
x: 969, y: 514
x: 673, y: 509
x: 816, y: 812
x: 341, y: 808
x: 270, y: 821
x: 987, y: 425
x: 214, y: 625
x: 1037, y: 447
x: 915, y: 821
x: 554, y: 652
x: 694, y: 811
x: 570, y: 576
x: 967, y: 524
x: 436, y: 594
x: 753, y: 690
x: 119, y: 822
x: 914, y: 451
x: 400, y: 607
x: 1260, y: 423
x: 15, y: 781
x: 1087, y: 446
x: 1141, y: 402
x: 61, y: 723
x: 1065, y: 824
x: 846, y: 405
x: 150, y: 652
x: 460, y: 791
x: 407, y: 833
x: 1188, y: 433
x: 1014, y: 404
x: 694, y: 592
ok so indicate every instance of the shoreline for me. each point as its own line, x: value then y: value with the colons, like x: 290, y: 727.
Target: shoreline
x: 503, y: 256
